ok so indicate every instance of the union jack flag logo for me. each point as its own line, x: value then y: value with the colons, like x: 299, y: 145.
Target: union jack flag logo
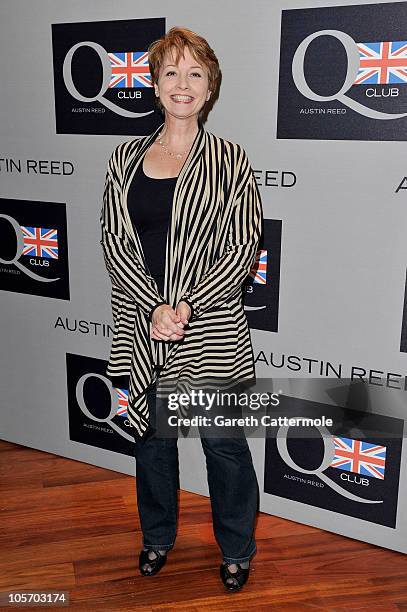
x: 359, y: 457
x: 259, y: 269
x: 382, y: 63
x: 123, y: 397
x: 130, y: 69
x: 40, y: 242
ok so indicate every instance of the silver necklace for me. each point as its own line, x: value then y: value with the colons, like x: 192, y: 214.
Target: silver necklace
x: 168, y: 152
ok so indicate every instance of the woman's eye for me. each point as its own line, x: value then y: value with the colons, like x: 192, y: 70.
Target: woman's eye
x: 172, y: 72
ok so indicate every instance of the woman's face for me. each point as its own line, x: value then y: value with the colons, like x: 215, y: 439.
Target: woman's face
x: 182, y: 88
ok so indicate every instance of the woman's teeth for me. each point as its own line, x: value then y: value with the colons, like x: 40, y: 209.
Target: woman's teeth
x: 182, y: 98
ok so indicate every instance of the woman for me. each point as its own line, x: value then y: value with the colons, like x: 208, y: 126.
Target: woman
x: 181, y: 222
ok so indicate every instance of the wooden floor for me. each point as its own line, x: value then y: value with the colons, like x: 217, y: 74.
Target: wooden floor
x: 67, y: 525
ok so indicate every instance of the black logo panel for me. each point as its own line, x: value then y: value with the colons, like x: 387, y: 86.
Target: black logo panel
x: 34, y: 248
x: 101, y: 77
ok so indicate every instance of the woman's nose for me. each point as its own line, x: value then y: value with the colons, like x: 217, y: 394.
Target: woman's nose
x: 183, y: 82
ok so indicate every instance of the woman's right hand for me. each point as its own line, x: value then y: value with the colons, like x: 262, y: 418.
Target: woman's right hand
x: 166, y: 324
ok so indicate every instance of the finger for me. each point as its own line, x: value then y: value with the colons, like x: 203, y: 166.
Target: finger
x: 161, y: 338
x: 171, y: 338
x: 173, y: 329
x: 161, y: 335
x: 178, y: 331
x: 171, y: 325
x: 155, y: 335
x: 163, y: 329
x: 158, y: 336
x: 175, y: 338
x: 183, y: 317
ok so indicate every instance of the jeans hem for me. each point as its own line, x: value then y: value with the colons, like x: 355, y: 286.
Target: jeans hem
x: 158, y: 546
x: 241, y: 559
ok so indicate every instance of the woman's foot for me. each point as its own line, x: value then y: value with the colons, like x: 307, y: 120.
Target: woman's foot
x: 234, y: 575
x: 151, y: 561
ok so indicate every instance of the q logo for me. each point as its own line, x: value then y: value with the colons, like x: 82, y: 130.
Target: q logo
x: 353, y: 66
x: 114, y: 404
x: 106, y: 79
x: 20, y: 245
x: 329, y: 452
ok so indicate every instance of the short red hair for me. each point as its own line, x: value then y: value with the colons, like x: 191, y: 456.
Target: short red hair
x: 176, y: 39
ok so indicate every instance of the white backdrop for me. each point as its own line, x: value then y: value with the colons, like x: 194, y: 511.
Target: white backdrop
x: 343, y: 245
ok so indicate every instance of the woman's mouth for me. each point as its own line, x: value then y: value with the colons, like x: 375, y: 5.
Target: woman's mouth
x: 182, y: 99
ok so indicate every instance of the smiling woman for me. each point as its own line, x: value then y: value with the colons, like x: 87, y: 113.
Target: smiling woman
x: 183, y: 54
x: 182, y: 83
x: 181, y: 223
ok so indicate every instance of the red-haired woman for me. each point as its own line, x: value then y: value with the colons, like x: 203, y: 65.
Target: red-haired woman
x: 181, y: 223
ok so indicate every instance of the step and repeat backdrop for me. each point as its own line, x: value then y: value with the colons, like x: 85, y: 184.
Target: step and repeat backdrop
x: 317, y: 95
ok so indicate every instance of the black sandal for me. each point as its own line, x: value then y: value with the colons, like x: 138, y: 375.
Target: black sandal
x: 239, y: 578
x: 155, y: 564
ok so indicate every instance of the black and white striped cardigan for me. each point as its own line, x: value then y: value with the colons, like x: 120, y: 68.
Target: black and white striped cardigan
x: 212, y: 240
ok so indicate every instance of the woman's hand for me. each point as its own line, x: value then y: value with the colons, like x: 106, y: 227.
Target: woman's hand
x: 166, y: 324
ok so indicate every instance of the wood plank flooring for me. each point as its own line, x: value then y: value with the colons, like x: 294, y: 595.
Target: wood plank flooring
x: 67, y: 525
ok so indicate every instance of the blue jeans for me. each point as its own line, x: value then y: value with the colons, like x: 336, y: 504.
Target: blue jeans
x: 233, y: 488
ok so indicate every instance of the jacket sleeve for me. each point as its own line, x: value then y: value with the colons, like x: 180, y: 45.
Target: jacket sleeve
x: 226, y: 276
x: 126, y: 270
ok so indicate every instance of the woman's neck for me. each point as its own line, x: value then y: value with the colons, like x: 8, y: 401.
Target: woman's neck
x: 179, y: 132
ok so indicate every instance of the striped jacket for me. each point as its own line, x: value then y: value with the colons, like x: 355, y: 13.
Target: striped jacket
x: 212, y: 240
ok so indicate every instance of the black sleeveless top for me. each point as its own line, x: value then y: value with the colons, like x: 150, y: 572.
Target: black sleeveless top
x: 149, y: 202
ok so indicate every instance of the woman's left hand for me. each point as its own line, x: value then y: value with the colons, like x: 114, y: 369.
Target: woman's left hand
x: 184, y: 312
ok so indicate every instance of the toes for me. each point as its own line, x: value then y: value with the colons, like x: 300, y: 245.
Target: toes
x: 154, y: 553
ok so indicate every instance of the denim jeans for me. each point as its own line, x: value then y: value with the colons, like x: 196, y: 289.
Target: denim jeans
x: 233, y: 488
